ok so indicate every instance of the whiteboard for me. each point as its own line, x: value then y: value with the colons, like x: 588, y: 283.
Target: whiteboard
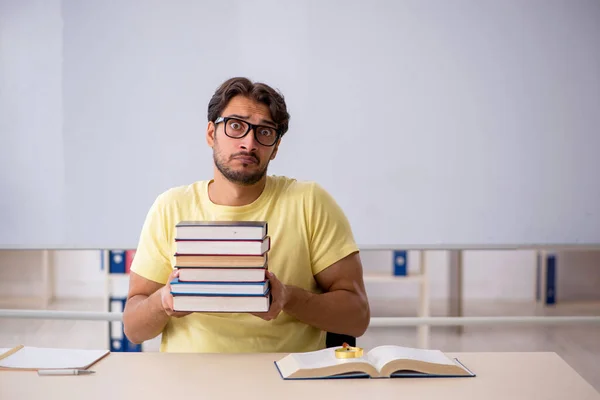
x: 434, y: 124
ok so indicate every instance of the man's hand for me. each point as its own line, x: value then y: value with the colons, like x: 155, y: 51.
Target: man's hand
x: 148, y: 308
x: 166, y: 298
x: 280, y: 295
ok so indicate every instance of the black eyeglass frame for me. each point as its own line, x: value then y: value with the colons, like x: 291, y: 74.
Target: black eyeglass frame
x: 250, y: 127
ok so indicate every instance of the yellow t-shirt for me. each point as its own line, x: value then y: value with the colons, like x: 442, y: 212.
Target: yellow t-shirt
x: 308, y: 231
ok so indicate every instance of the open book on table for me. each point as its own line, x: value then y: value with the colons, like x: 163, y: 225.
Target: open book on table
x: 381, y: 362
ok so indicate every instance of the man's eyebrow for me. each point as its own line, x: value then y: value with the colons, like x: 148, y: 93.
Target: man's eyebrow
x: 262, y: 121
x: 266, y: 121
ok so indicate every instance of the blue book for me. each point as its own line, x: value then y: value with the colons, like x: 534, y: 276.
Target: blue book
x: 388, y: 361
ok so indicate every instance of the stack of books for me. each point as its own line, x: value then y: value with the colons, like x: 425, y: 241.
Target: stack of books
x: 222, y: 266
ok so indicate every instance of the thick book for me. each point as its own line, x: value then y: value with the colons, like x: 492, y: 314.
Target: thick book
x: 218, y: 261
x: 222, y: 303
x: 223, y: 247
x: 233, y: 288
x: 234, y: 230
x: 222, y: 274
x: 387, y: 361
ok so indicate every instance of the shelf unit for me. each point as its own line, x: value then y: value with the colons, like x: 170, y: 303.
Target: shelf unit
x: 45, y: 295
x: 420, y: 278
x: 116, y: 285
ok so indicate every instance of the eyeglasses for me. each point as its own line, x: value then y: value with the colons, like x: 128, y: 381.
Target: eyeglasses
x: 237, y: 129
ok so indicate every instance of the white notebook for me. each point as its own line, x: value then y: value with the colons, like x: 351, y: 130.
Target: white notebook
x: 35, y: 358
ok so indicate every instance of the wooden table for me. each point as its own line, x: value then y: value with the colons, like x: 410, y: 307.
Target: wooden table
x: 167, y: 376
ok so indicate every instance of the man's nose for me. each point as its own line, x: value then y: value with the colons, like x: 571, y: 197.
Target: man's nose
x: 249, y: 142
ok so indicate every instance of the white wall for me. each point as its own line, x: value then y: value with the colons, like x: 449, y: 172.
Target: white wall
x: 490, y: 134
x: 31, y: 123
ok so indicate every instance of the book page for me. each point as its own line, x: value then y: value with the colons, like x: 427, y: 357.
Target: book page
x: 43, y: 358
x: 381, y: 355
x: 322, y: 358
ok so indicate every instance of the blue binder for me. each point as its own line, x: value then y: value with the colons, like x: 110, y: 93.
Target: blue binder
x: 400, y: 262
x: 551, y: 279
x: 116, y: 261
x: 118, y: 340
x: 550, y: 283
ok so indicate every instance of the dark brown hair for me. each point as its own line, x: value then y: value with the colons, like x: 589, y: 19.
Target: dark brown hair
x: 256, y: 91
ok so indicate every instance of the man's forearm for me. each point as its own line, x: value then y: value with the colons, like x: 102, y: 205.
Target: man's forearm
x: 339, y: 311
x: 144, y: 318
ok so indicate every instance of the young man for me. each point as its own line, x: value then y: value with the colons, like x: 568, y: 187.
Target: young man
x: 315, y: 271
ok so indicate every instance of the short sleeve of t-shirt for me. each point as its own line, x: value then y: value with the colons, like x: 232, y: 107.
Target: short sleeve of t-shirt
x: 331, y: 237
x: 152, y: 258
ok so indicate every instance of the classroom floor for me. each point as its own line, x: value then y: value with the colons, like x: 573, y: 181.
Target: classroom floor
x: 578, y: 345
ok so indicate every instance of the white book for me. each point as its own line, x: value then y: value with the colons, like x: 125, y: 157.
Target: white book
x: 223, y: 247
x: 221, y: 274
x: 36, y: 358
x: 216, y: 303
x: 240, y: 230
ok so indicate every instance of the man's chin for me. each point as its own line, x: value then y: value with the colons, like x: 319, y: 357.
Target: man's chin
x: 245, y: 179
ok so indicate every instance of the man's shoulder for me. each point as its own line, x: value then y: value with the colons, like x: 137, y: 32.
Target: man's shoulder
x: 181, y: 194
x: 308, y: 194
x: 294, y: 187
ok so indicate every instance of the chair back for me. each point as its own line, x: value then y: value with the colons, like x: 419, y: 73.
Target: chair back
x: 338, y: 339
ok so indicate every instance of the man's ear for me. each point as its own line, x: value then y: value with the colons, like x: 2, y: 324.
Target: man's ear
x: 210, y: 134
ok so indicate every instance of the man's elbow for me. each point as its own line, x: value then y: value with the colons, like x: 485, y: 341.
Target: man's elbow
x: 363, y: 319
x: 129, y: 332
x: 131, y: 336
x: 131, y: 324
